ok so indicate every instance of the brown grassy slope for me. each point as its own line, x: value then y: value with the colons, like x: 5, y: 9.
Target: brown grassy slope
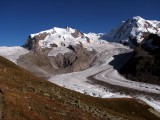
x: 26, y: 97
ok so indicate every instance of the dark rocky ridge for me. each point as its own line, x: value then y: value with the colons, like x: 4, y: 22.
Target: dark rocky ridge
x: 32, y: 43
x: 144, y: 66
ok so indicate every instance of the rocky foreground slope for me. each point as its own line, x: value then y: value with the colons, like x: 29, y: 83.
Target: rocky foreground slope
x: 24, y: 96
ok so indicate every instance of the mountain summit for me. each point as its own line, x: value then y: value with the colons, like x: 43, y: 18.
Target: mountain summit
x: 133, y: 30
x: 57, y: 37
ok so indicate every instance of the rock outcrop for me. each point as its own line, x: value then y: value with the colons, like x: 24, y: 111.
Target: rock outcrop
x: 39, y: 63
x: 77, y: 34
x: 32, y: 42
x: 144, y: 66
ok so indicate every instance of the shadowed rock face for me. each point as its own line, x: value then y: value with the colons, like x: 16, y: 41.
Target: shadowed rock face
x: 39, y: 63
x: 144, y: 66
x: 155, y: 39
x: 32, y: 43
x: 151, y: 44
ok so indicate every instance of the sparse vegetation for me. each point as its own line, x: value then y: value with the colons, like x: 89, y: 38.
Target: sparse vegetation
x: 26, y: 97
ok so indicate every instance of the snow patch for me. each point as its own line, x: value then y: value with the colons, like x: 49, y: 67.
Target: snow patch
x: 13, y: 53
x: 59, y: 50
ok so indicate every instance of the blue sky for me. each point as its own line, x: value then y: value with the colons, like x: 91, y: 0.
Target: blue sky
x: 19, y: 18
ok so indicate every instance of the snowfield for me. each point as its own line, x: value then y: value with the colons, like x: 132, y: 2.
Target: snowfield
x: 12, y: 53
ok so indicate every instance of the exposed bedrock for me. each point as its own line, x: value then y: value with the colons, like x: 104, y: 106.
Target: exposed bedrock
x: 144, y: 66
x: 39, y: 63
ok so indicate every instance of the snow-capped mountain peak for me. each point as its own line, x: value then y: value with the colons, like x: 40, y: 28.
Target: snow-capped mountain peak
x: 55, y: 30
x: 138, y: 18
x: 64, y: 30
x: 132, y: 30
x: 57, y: 37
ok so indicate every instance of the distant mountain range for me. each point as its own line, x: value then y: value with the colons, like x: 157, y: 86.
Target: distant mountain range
x: 130, y: 32
x: 58, y: 37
